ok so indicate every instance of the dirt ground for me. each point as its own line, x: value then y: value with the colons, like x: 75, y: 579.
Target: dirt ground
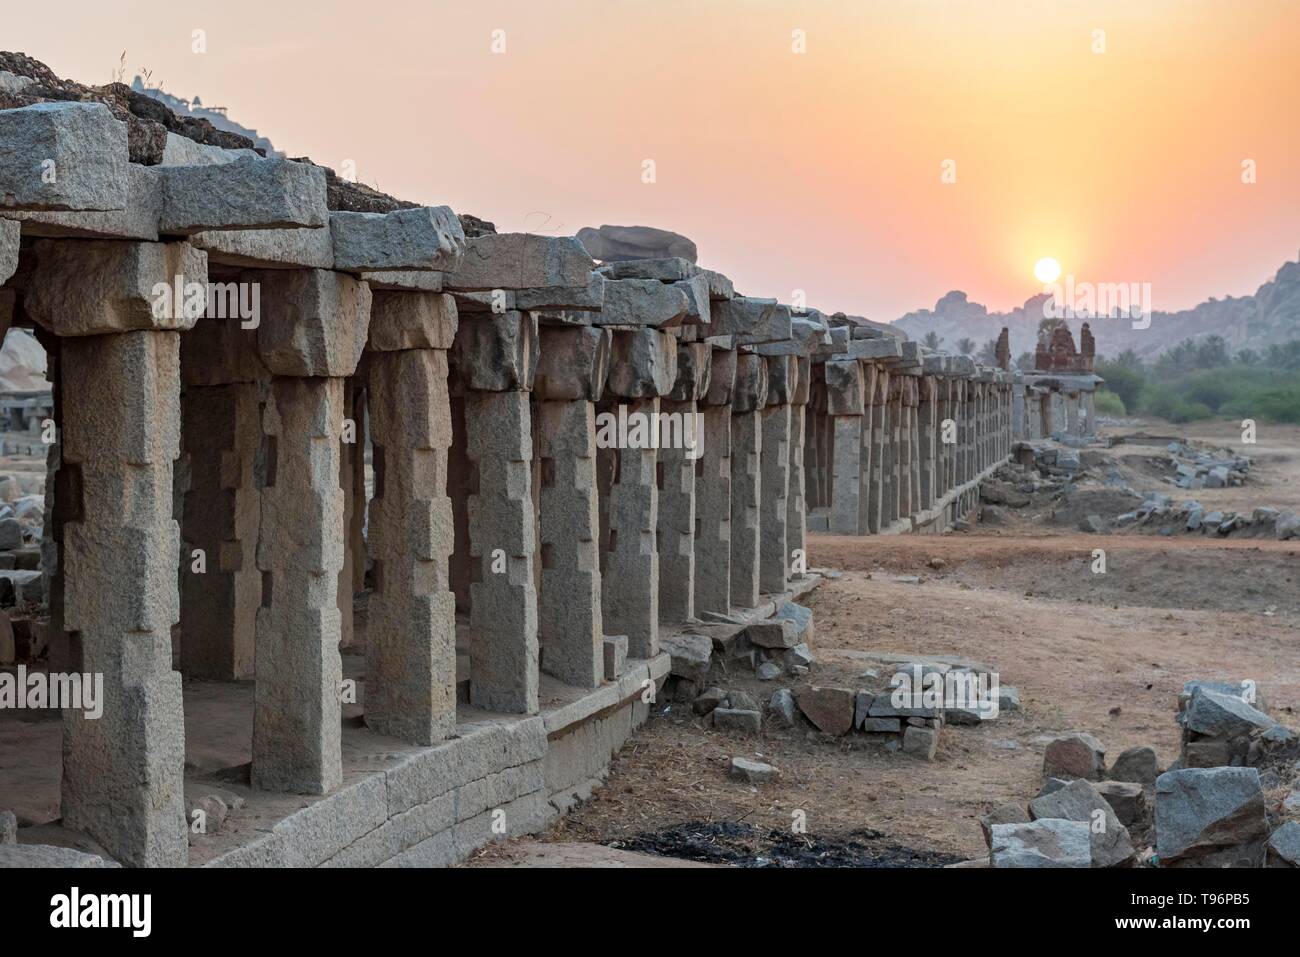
x: 1105, y: 653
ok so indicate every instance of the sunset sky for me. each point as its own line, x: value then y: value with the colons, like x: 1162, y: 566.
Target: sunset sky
x: 818, y: 171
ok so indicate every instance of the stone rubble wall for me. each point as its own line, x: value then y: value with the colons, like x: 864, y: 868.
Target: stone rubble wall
x: 218, y: 310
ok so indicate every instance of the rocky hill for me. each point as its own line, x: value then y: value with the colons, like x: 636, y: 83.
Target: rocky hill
x: 1271, y: 315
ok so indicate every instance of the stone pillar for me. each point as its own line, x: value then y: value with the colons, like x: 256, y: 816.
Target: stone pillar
x: 353, y: 511
x: 713, y: 490
x: 411, y: 639
x: 906, y: 450
x: 747, y: 403
x: 123, y: 774
x: 1019, y: 425
x: 879, y: 412
x: 677, y: 462
x: 774, y: 480
x: 926, y: 409
x: 845, y: 402
x: 796, y: 502
x: 570, y: 625
x: 643, y: 367
x: 894, y: 455
x: 312, y: 332
x: 1090, y: 413
x: 866, y: 442
x: 496, y: 360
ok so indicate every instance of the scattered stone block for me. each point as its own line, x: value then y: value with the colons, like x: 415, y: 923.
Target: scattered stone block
x: 1046, y: 843
x: 773, y: 633
x: 1284, y: 846
x: 48, y: 855
x: 1125, y: 798
x: 1077, y: 755
x: 1080, y: 801
x: 755, y: 772
x: 1207, y: 817
x: 1003, y: 814
x: 830, y: 709
x: 708, y: 700
x: 1137, y: 765
x: 768, y: 671
x: 734, y: 719
x: 920, y: 742
x: 782, y: 706
x: 798, y: 657
x: 800, y: 617
x: 870, y: 725
x: 691, y: 656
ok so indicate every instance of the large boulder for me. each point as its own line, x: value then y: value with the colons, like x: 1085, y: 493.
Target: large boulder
x: 618, y: 243
x: 1046, y: 843
x: 1210, y: 817
x: 830, y: 709
x: 1080, y: 801
x: 1138, y: 765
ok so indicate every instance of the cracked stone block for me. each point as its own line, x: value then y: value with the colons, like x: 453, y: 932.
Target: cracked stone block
x: 246, y: 194
x: 57, y: 156
x: 643, y: 363
x: 92, y: 287
x: 751, y: 320
x: 570, y: 622
x: 574, y: 363
x: 423, y: 238
x: 411, y: 320
x: 123, y: 773
x: 502, y: 543
x: 496, y: 353
x: 643, y: 302
x: 411, y: 648
x: 297, y: 710
x: 313, y: 321
x: 521, y: 261
x: 138, y: 219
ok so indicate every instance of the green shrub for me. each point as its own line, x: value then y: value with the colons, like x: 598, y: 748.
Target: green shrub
x: 1108, y: 403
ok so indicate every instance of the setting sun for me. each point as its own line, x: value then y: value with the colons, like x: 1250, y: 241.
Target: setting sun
x: 1047, y: 269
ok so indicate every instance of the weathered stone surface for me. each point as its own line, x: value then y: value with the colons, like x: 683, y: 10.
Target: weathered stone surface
x: 722, y: 377
x: 584, y: 298
x: 1125, y: 798
x: 573, y: 363
x: 521, y: 261
x: 720, y: 287
x: 1077, y: 755
x: 755, y: 772
x: 1210, y: 817
x: 1080, y: 801
x: 411, y: 320
x: 183, y: 151
x: 615, y: 656
x: 9, y: 234
x: 751, y: 320
x: 314, y: 321
x: 138, y: 219
x: 694, y: 368
x: 671, y: 269
x: 1222, y: 716
x: 830, y: 709
x: 643, y: 363
x: 496, y: 353
x: 845, y: 388
x: 1138, y: 765
x: 698, y: 308
x: 48, y: 855
x: 267, y: 248
x: 92, y: 287
x: 1284, y: 846
x: 246, y: 194
x: 920, y: 742
x: 57, y: 156
x: 691, y: 655
x: 749, y: 393
x: 772, y: 634
x: 616, y: 243
x: 1003, y: 814
x: 644, y: 302
x: 1046, y: 843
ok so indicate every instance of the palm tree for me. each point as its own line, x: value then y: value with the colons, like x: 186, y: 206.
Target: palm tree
x: 932, y: 341
x: 966, y: 345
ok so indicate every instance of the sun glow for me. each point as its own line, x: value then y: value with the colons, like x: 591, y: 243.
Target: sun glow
x: 1047, y: 269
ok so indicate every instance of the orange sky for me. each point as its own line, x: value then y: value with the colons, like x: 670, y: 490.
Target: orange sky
x: 817, y: 171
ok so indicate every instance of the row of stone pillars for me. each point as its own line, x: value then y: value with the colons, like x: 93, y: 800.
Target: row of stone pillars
x: 886, y: 445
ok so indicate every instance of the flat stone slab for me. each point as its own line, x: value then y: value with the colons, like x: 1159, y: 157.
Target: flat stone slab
x: 56, y: 156
x: 48, y: 855
x: 577, y: 854
x: 246, y: 194
x: 521, y: 261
